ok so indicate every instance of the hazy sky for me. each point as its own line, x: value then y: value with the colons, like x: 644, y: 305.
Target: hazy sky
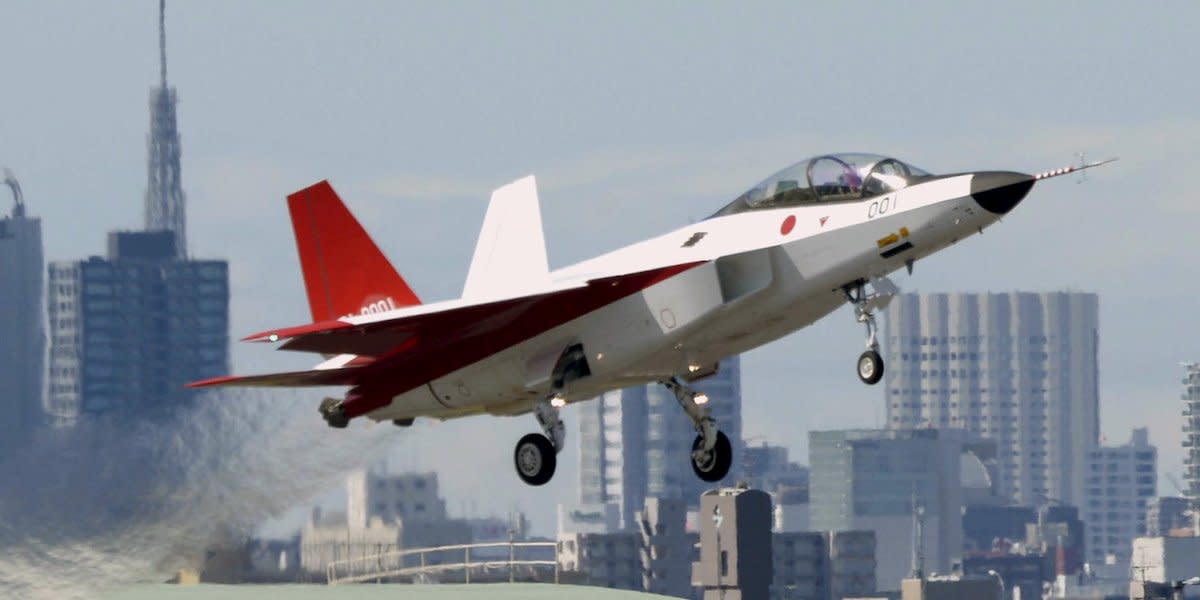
x: 636, y: 117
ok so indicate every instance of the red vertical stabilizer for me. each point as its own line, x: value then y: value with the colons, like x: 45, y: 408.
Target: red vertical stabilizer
x: 345, y: 274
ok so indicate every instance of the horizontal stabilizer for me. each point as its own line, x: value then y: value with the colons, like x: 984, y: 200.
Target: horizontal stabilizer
x: 315, y: 378
x: 510, y: 256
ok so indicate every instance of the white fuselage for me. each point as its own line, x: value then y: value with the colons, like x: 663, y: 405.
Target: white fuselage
x: 759, y: 276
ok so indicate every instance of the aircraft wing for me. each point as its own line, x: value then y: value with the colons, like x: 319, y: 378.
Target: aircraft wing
x: 393, y: 333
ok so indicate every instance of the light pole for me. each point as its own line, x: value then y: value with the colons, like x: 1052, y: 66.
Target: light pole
x: 993, y: 573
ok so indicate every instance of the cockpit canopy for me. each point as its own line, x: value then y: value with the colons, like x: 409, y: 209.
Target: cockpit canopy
x: 828, y: 178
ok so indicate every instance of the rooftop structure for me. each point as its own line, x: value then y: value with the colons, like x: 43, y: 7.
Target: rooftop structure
x: 165, y: 204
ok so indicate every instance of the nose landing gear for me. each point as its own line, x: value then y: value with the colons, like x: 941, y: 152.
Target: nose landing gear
x: 870, y: 363
x: 712, y: 454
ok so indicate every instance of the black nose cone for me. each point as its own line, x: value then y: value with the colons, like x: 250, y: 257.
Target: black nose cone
x: 999, y: 191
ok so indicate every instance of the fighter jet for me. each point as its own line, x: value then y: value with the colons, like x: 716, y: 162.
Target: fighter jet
x: 525, y: 339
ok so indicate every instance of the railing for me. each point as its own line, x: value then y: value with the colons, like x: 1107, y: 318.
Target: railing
x: 394, y: 564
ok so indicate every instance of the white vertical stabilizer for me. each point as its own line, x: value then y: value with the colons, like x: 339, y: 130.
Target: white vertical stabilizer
x: 510, y: 256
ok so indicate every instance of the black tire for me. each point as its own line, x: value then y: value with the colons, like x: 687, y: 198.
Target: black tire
x: 535, y: 459
x: 719, y: 462
x: 870, y: 367
x: 331, y: 411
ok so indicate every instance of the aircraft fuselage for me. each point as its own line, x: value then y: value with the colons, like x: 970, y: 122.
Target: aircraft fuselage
x: 730, y: 297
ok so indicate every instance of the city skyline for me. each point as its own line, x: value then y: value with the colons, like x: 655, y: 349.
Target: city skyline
x: 246, y: 159
x: 1018, y: 368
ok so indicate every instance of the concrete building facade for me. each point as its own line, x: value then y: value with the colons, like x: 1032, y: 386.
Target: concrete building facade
x: 22, y: 319
x: 1166, y: 515
x: 1018, y: 368
x: 634, y: 443
x: 665, y: 549
x: 736, y: 549
x: 610, y: 560
x: 801, y: 569
x: 371, y: 495
x: 894, y: 483
x: 326, y: 538
x: 1121, y: 481
x: 655, y: 557
x: 1165, y: 559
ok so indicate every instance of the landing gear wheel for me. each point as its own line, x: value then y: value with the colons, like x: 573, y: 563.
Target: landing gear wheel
x: 535, y: 459
x: 714, y: 465
x: 331, y: 410
x: 870, y: 367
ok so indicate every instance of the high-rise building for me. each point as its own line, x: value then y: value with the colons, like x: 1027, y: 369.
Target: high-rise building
x: 127, y: 331
x: 635, y: 443
x: 1191, y: 437
x: 23, y: 341
x: 1121, y: 481
x: 902, y: 484
x: 1018, y: 368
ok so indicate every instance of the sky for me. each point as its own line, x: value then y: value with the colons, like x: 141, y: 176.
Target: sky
x: 636, y: 118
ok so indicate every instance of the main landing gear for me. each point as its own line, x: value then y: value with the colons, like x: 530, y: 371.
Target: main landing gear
x: 712, y: 454
x: 870, y: 364
x: 536, y: 454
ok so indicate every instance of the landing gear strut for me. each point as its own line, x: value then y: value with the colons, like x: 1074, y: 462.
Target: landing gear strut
x: 536, y: 454
x: 712, y: 454
x: 870, y: 364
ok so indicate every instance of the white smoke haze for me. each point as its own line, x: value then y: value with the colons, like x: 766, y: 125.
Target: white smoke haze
x: 122, y: 500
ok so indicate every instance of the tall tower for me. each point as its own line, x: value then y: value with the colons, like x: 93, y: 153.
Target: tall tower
x: 165, y: 206
x: 129, y: 329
